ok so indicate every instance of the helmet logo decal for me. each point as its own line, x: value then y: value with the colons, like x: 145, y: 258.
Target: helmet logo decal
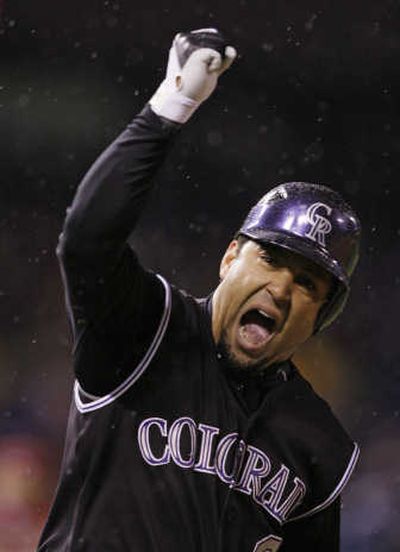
x: 320, y: 225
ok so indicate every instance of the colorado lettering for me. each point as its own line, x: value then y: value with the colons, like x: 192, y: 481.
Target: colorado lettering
x: 202, y: 448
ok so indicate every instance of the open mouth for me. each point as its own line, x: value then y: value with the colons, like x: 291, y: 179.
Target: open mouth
x: 256, y: 328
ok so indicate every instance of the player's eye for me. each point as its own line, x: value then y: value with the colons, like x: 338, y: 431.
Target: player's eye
x: 269, y: 257
x: 307, y: 282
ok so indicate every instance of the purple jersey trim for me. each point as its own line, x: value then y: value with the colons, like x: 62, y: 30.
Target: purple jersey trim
x: 99, y: 402
x: 336, y: 492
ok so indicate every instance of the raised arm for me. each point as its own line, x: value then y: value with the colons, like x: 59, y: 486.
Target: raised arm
x: 107, y: 291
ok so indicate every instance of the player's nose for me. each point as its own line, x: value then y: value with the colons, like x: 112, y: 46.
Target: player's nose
x: 280, y: 286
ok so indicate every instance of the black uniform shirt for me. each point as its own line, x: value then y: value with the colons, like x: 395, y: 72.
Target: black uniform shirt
x: 167, y: 449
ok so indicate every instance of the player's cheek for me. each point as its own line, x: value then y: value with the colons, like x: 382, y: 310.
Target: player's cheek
x: 302, y: 323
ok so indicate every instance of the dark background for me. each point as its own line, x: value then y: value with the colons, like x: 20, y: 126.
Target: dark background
x: 314, y: 95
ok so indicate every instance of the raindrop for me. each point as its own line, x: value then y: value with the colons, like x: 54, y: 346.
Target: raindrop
x: 23, y: 100
x: 267, y: 47
x: 309, y: 24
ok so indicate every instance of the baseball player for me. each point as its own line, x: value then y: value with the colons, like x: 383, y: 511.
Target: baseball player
x: 190, y: 428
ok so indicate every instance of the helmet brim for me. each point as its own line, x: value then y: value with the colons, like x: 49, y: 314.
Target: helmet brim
x: 306, y: 248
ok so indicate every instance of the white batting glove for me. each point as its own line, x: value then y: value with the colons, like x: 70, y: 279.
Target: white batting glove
x: 196, y: 60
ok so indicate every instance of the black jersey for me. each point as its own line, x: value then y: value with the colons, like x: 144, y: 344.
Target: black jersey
x: 167, y: 447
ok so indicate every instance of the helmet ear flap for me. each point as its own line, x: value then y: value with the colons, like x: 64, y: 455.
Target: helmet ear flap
x: 332, y: 307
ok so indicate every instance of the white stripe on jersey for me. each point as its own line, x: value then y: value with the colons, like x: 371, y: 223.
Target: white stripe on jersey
x: 98, y: 402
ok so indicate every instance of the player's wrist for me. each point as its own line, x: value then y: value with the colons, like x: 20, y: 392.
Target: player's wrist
x: 172, y: 104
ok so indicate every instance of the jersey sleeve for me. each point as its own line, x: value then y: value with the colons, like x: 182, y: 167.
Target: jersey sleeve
x: 114, y: 304
x: 318, y: 533
x: 317, y: 446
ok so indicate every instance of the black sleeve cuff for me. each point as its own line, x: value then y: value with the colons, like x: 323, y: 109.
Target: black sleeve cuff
x: 165, y: 125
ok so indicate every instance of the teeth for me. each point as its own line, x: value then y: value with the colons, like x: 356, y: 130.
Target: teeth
x: 265, y: 315
x: 270, y: 319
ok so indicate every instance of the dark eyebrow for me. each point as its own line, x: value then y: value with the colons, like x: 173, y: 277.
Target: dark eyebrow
x: 317, y: 271
x: 289, y: 256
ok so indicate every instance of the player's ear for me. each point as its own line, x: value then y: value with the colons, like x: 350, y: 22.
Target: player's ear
x: 230, y: 255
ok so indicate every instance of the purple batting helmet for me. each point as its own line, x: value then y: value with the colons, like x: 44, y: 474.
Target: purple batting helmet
x: 315, y: 222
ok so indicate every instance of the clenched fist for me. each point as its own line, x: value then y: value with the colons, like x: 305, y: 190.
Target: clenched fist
x: 196, y: 60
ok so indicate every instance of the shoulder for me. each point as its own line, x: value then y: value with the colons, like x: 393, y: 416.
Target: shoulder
x: 321, y: 448
x: 189, y: 333
x: 189, y: 318
x: 299, y: 403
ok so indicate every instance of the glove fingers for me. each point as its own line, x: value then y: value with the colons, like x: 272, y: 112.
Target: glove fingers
x: 230, y: 56
x: 173, y: 67
x: 196, y: 60
x: 207, y: 58
x: 214, y: 61
x: 206, y: 30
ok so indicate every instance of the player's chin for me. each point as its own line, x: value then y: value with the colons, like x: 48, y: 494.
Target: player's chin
x: 251, y: 358
x: 248, y: 358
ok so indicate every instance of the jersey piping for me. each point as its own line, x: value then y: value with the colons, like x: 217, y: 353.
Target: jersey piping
x: 98, y: 402
x: 336, y: 492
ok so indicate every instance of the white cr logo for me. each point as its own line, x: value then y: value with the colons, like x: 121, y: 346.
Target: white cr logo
x: 320, y: 225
